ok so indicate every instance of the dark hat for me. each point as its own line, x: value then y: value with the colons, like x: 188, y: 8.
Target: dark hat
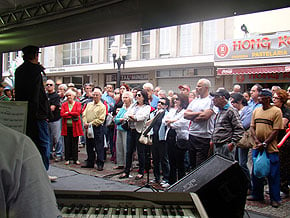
x: 30, y: 49
x: 221, y: 92
x: 266, y: 92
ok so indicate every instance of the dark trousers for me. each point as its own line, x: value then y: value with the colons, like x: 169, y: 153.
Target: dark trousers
x: 160, y: 157
x: 133, y: 143
x: 96, y: 145
x: 198, y: 150
x: 176, y: 160
x: 70, y: 145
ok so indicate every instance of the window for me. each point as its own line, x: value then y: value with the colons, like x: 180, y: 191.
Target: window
x: 164, y: 40
x: 186, y: 40
x: 145, y: 44
x: 209, y: 36
x: 128, y: 43
x: 111, y: 39
x: 77, y: 53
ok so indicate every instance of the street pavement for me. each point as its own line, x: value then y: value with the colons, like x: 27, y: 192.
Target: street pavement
x: 73, y: 177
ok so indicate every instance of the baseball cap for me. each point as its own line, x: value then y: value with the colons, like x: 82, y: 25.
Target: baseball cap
x: 221, y: 92
x: 184, y: 87
x: 265, y: 92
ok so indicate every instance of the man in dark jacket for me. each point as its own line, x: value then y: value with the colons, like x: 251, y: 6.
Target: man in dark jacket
x: 29, y: 87
x: 54, y: 122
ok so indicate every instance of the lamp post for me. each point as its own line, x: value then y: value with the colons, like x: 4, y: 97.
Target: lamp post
x: 120, y: 60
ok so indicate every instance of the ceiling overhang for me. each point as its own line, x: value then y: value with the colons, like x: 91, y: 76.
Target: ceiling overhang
x: 53, y: 22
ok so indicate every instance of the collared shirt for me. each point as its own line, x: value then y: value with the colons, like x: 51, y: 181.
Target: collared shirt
x: 253, y: 104
x: 110, y: 101
x: 228, y: 126
x: 94, y: 114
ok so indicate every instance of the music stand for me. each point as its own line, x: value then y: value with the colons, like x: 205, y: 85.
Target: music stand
x: 147, y: 168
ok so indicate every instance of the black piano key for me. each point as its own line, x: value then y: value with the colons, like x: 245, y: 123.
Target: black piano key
x: 85, y: 209
x: 172, y: 211
x: 70, y: 208
x: 153, y: 211
x: 164, y: 211
x: 133, y: 211
x: 98, y: 210
x: 145, y: 211
x: 125, y: 211
x: 106, y: 210
x: 118, y: 211
x: 179, y: 211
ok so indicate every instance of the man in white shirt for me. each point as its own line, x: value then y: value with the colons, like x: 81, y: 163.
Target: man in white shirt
x: 25, y: 190
x: 201, y: 113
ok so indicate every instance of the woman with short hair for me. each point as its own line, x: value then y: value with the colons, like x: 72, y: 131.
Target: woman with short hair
x: 71, y: 127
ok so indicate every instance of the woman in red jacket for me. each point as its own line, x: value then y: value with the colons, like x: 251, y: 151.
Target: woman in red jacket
x: 71, y: 127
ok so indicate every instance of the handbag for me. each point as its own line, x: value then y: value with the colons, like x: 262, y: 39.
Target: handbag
x: 145, y: 139
x: 261, y: 165
x: 125, y: 125
x: 90, y: 132
x: 75, y: 118
x: 246, y: 141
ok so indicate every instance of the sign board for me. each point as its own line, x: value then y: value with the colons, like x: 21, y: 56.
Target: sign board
x: 257, y: 47
x: 262, y: 78
x: 14, y: 114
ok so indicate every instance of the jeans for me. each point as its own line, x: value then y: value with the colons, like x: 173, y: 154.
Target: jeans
x: 160, y: 157
x: 43, y: 144
x: 96, y: 145
x: 273, y: 178
x: 198, y: 150
x: 133, y: 143
x: 55, y: 137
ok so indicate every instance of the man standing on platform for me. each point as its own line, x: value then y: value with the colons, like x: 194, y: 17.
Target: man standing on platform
x: 29, y: 87
x: 95, y: 114
x: 265, y: 125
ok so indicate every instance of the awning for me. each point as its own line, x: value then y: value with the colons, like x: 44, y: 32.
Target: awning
x: 253, y: 70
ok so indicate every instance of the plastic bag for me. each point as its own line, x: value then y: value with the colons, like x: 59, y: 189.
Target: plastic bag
x: 261, y: 165
x: 90, y: 132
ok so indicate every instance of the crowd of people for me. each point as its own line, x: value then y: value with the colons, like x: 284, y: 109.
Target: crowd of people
x: 186, y: 128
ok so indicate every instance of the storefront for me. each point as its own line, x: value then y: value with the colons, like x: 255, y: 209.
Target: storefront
x: 259, y: 59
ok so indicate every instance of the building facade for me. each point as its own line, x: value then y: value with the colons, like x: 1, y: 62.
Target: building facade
x: 166, y: 57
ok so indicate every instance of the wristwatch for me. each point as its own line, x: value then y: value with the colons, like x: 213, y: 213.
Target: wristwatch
x: 264, y: 144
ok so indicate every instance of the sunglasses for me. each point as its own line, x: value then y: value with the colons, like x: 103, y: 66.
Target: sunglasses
x: 177, y: 99
x: 49, y: 85
x: 160, y: 102
x: 139, y: 95
x: 117, y: 93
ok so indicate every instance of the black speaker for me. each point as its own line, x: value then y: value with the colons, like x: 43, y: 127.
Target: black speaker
x: 220, y: 184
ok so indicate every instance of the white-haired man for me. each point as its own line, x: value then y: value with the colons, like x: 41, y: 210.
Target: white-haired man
x: 153, y: 99
x: 95, y: 114
x: 201, y: 113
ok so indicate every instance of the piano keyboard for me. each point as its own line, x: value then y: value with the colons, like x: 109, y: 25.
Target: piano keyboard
x: 109, y: 204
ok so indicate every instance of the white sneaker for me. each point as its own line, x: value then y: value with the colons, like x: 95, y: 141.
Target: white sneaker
x: 52, y: 178
x: 163, y: 182
x: 165, y: 185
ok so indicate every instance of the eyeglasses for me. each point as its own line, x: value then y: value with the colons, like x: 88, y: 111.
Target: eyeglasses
x: 139, y: 95
x: 162, y: 103
x: 49, y: 84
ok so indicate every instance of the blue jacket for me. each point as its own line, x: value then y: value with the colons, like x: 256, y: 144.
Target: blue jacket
x: 118, y: 117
